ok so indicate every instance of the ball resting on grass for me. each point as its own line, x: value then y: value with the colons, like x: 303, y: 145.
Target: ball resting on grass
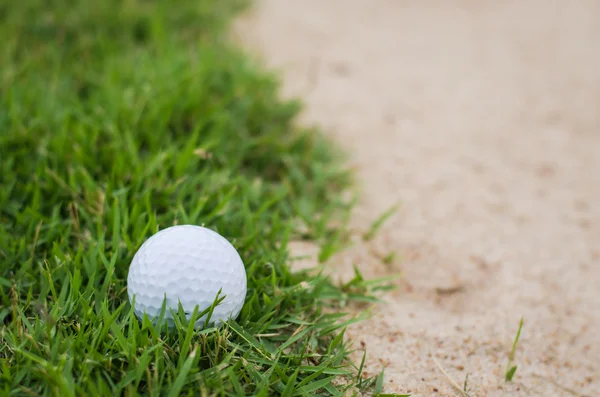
x: 188, y: 265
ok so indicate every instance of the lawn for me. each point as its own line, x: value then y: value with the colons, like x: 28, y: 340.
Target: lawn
x: 119, y: 119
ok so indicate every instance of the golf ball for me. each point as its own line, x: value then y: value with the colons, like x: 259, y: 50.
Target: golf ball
x: 187, y: 264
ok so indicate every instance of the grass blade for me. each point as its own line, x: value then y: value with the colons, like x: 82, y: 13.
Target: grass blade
x: 182, y: 375
x: 376, y: 225
x: 510, y: 369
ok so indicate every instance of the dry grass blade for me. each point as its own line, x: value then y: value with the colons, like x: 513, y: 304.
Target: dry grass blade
x: 452, y: 381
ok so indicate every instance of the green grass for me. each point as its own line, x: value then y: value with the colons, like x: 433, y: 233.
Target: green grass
x: 510, y: 368
x: 378, y: 223
x: 121, y: 118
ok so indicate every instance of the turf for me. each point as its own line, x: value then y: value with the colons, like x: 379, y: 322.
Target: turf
x: 121, y: 118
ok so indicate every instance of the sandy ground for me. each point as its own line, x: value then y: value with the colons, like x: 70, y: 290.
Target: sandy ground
x: 483, y: 119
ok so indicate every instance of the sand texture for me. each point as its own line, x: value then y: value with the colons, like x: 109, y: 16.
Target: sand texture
x: 482, y: 119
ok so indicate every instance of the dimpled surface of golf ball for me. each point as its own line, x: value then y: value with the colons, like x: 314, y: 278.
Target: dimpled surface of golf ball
x: 187, y: 264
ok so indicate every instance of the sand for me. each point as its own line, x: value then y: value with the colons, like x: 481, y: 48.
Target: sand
x: 483, y: 120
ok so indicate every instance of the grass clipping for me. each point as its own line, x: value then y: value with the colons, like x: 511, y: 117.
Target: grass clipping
x: 123, y: 118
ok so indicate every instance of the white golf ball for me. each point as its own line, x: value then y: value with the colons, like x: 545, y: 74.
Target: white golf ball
x: 187, y: 264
